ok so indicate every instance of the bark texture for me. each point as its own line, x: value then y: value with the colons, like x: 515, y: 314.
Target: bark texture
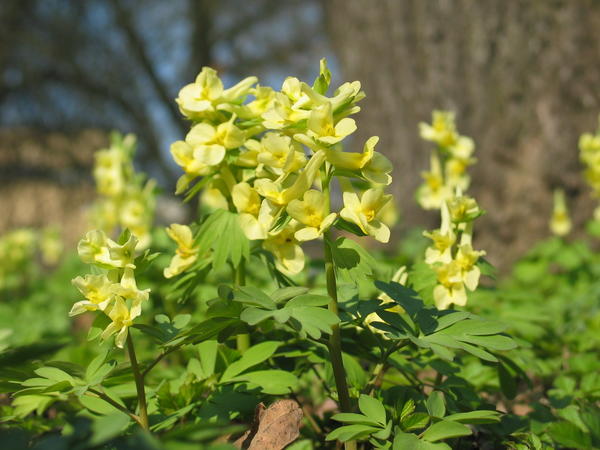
x: 522, y: 77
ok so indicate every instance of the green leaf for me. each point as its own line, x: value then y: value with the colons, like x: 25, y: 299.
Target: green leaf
x: 272, y: 382
x: 108, y: 427
x: 497, y: 342
x: 435, y: 404
x: 100, y: 323
x: 415, y: 421
x: 253, y: 316
x: 351, y: 433
x: 253, y: 356
x: 207, y: 351
x: 234, y: 247
x: 308, y: 300
x: 254, y: 297
x: 567, y: 434
x: 475, y: 417
x: 508, y: 382
x: 407, y: 441
x: 54, y: 374
x: 351, y: 260
x: 571, y: 413
x: 372, y: 408
x: 475, y: 327
x: 356, y: 418
x: 313, y: 320
x: 283, y: 294
x: 444, y: 430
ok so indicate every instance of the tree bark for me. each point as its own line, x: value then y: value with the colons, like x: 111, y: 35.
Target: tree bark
x: 522, y: 77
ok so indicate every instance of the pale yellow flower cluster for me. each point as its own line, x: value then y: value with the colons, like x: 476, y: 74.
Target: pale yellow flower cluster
x: 19, y: 250
x: 589, y: 154
x: 17, y: 247
x: 449, y: 161
x: 560, y: 223
x: 263, y: 154
x: 114, y: 290
x: 451, y: 254
x: 125, y: 200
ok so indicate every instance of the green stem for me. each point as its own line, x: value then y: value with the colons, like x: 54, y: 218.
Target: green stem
x: 107, y: 399
x: 242, y: 340
x: 139, y: 384
x: 335, y: 339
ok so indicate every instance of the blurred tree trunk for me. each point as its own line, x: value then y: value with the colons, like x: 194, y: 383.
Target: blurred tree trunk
x: 523, y: 78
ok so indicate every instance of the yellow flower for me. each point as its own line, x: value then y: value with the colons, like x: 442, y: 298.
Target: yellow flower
x: 122, y: 319
x: 98, y: 291
x: 560, y: 224
x: 443, y: 240
x: 257, y: 227
x: 128, y: 290
x: 451, y: 289
x: 280, y: 154
x: 197, y: 161
x: 280, y: 195
x: 108, y: 171
x: 323, y: 128
x: 378, y: 169
x: 197, y: 100
x: 281, y: 114
x: 352, y: 161
x: 434, y: 191
x: 466, y: 259
x: 463, y: 208
x: 289, y: 257
x: 225, y: 135
x: 311, y: 211
x: 442, y: 131
x: 463, y: 148
x: 93, y: 248
x: 364, y: 212
x: 186, y: 254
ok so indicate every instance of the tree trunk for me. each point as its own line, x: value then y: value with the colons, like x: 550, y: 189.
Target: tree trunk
x: 522, y: 77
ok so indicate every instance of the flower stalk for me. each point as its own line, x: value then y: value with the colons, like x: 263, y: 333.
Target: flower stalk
x: 139, y: 385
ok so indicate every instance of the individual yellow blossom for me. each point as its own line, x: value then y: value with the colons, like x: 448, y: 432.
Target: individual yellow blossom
x: 312, y: 212
x: 443, y: 240
x: 257, y: 227
x: 93, y: 249
x: 197, y: 161
x: 323, y: 128
x: 364, y: 212
x: 560, y: 224
x: 378, y: 169
x: 263, y: 100
x: 280, y: 154
x: 463, y: 208
x: 348, y: 93
x: 122, y: 319
x: 463, y: 148
x: 98, y: 291
x: 289, y: 257
x: 434, y: 192
x: 108, y: 171
x: 225, y: 135
x: 280, y: 195
x: 450, y: 288
x: 466, y: 259
x: 281, y: 114
x: 186, y: 253
x: 349, y: 160
x: 201, y: 98
x: 442, y: 130
x: 128, y: 290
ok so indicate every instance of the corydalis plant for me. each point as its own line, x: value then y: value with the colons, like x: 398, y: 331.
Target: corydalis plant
x: 126, y: 200
x: 451, y: 254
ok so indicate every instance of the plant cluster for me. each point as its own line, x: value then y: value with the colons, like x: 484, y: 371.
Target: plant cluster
x: 363, y: 346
